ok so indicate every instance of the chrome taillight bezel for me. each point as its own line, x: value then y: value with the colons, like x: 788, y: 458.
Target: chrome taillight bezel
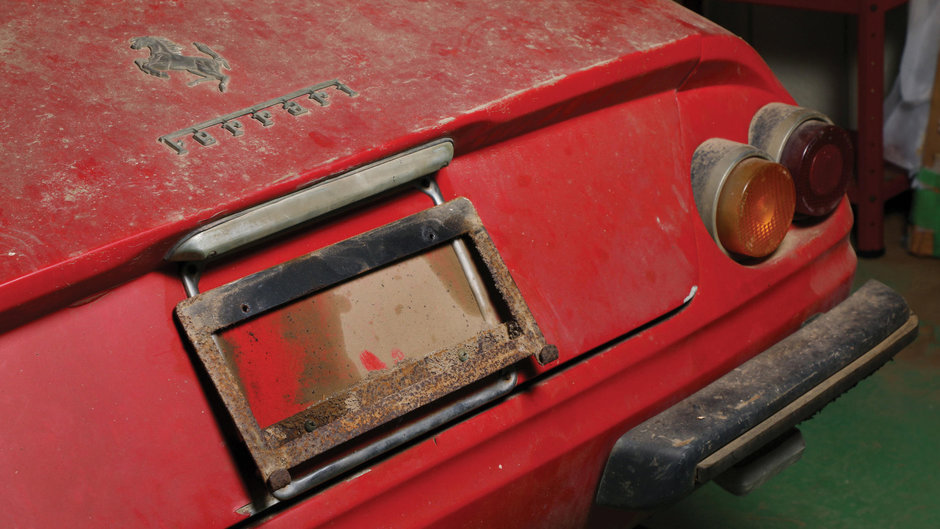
x: 712, y: 164
x: 772, y: 129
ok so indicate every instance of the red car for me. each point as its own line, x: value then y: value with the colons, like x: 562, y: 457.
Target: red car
x: 370, y: 264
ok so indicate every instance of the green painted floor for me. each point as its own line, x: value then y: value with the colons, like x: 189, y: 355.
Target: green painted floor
x: 872, y: 457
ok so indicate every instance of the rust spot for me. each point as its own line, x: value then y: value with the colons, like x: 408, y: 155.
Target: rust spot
x: 279, y: 479
x: 751, y: 400
x: 548, y: 354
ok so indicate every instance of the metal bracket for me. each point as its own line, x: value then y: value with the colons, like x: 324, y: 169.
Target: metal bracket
x: 499, y: 387
x: 281, y: 447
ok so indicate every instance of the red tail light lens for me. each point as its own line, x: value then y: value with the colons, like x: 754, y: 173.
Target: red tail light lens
x: 755, y: 207
x: 818, y: 154
x: 820, y: 159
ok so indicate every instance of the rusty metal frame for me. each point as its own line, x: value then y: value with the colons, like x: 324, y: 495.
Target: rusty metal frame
x: 279, y: 448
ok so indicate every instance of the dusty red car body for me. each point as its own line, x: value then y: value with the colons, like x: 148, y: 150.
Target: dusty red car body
x: 573, y: 124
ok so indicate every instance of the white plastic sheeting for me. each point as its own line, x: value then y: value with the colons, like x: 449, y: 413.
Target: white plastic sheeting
x: 907, y: 106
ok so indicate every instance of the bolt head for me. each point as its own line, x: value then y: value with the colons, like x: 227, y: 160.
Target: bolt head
x: 548, y: 354
x: 279, y: 479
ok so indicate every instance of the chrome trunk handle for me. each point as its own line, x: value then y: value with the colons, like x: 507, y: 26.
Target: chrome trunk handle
x: 251, y: 225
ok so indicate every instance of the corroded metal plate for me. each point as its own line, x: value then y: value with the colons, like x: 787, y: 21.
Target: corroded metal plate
x: 316, y: 351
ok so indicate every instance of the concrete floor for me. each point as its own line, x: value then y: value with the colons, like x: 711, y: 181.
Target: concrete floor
x: 872, y: 457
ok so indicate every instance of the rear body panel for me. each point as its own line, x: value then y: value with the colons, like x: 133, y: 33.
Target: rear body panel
x: 85, y: 151
x: 113, y: 423
x: 573, y: 125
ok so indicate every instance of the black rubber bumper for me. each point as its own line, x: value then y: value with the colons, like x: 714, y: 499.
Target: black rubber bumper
x: 669, y: 455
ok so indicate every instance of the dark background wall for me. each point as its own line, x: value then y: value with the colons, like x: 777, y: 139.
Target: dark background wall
x: 812, y: 52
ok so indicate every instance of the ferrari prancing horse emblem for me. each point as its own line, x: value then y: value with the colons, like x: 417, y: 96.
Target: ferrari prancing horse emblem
x: 166, y: 55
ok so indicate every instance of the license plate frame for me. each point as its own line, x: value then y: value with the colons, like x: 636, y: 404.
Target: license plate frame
x: 290, y: 442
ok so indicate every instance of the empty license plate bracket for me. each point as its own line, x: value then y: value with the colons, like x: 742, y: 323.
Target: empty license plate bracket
x: 350, y: 409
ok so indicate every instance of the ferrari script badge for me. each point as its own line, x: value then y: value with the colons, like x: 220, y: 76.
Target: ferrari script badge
x: 262, y: 113
x: 166, y: 56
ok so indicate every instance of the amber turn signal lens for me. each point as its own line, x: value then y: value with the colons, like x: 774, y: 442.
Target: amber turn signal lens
x: 820, y: 158
x: 755, y: 207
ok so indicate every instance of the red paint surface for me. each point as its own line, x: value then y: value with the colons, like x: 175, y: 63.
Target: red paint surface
x: 102, y: 403
x: 89, y: 159
x: 552, y: 225
x: 118, y: 370
x: 371, y: 362
x: 575, y: 152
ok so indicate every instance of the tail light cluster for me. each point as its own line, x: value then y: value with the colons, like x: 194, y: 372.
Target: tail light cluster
x: 796, y: 162
x: 745, y: 198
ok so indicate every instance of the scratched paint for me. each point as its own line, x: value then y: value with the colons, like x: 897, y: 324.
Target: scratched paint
x: 310, y: 350
x: 371, y: 362
x: 397, y: 355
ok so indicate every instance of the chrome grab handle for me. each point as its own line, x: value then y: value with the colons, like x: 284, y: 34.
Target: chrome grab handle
x: 254, y: 224
x: 501, y: 386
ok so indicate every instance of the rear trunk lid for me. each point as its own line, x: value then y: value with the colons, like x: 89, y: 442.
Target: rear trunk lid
x: 94, y: 197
